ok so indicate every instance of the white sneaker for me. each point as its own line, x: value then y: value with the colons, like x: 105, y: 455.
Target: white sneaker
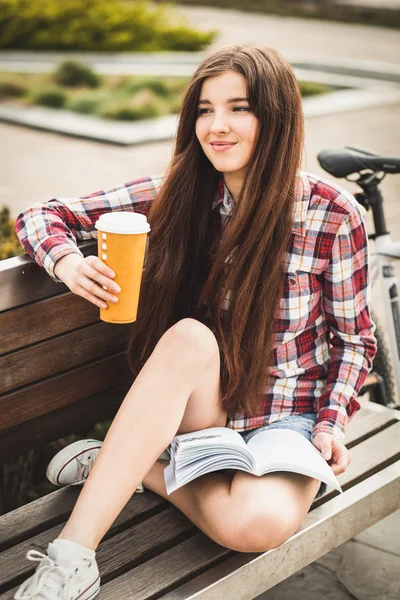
x: 67, y: 572
x: 72, y: 465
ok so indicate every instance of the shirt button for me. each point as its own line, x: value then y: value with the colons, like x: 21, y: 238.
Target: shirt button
x: 292, y: 281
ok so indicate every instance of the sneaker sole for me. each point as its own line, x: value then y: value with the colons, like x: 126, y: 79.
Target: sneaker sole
x: 67, y: 455
x: 95, y: 593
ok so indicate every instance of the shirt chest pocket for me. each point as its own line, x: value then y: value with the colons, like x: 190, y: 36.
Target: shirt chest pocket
x: 300, y: 299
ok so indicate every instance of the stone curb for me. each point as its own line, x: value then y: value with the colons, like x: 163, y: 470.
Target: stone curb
x: 89, y: 127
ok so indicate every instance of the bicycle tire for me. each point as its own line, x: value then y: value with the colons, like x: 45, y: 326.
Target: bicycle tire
x: 382, y: 366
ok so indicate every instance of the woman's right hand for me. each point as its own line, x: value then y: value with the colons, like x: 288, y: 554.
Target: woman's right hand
x: 86, y: 277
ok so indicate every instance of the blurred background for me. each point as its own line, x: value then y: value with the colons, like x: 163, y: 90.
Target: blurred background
x: 89, y: 97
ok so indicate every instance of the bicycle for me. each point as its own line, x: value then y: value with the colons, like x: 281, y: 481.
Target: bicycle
x: 371, y: 168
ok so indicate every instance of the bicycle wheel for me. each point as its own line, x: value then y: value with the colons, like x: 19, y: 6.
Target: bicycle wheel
x: 386, y: 392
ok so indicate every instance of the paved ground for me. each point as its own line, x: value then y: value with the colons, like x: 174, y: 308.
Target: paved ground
x: 38, y: 166
x: 295, y: 37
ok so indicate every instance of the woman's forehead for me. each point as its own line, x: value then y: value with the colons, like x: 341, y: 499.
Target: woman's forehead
x: 229, y: 84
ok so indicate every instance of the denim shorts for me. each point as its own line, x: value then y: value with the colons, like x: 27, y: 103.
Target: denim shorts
x: 303, y: 423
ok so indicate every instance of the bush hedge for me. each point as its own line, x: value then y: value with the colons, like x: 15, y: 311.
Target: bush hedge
x: 95, y: 25
x: 146, y: 105
x: 86, y: 104
x: 9, y: 244
x: 11, y: 89
x: 71, y: 73
x: 52, y: 97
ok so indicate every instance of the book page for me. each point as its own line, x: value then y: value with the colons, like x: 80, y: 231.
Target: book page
x: 288, y: 450
x: 211, y: 438
x: 200, y: 452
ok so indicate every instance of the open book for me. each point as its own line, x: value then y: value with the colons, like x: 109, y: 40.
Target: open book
x: 218, y: 448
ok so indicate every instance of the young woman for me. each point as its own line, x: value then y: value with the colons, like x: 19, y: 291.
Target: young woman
x: 253, y: 313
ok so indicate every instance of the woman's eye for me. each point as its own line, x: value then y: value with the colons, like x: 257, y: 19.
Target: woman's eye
x: 203, y: 111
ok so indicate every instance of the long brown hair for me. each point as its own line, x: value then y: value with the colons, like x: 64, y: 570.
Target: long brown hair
x: 189, y: 270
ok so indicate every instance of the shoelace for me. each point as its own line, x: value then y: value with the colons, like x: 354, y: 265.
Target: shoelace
x: 85, y: 465
x: 36, y: 585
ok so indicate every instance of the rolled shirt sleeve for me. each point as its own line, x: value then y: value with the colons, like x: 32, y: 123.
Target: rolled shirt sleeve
x: 346, y: 297
x: 50, y: 230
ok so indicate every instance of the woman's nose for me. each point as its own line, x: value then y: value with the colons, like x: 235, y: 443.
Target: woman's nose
x: 219, y: 123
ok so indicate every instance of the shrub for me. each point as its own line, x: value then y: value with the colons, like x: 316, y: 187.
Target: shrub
x: 155, y: 84
x: 74, y: 74
x: 11, y: 89
x: 95, y: 25
x: 182, y: 39
x: 312, y: 88
x: 51, y: 97
x: 86, y: 106
x: 125, y: 111
x: 9, y: 244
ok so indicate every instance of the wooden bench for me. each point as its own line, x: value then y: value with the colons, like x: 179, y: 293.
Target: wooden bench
x: 63, y: 370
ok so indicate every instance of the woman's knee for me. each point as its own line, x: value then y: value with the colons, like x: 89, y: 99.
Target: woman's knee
x: 193, y: 335
x: 258, y: 531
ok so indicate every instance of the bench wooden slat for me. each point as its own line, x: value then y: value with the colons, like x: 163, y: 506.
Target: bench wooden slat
x: 245, y: 576
x: 368, y: 457
x: 47, y: 318
x: 76, y: 417
x: 60, y: 354
x: 371, y: 455
x: 366, y: 423
x: 46, y: 512
x: 170, y: 569
x: 129, y: 547
x: 61, y: 390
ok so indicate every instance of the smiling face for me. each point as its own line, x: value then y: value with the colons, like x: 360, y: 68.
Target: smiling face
x: 226, y: 127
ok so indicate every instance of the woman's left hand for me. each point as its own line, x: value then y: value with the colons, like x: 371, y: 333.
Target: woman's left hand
x: 334, y: 452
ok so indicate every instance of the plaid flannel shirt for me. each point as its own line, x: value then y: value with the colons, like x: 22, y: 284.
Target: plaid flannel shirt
x: 324, y: 342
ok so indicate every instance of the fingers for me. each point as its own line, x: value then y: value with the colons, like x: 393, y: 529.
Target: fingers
x: 341, y: 460
x: 326, y: 449
x: 100, y: 266
x: 97, y: 279
x: 93, y: 281
x: 338, y: 469
x: 333, y: 451
x: 80, y: 291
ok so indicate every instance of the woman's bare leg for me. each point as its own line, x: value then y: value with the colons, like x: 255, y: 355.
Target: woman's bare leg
x: 246, y: 513
x: 164, y: 398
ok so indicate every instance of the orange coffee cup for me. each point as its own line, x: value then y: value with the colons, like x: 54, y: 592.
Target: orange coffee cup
x: 122, y: 245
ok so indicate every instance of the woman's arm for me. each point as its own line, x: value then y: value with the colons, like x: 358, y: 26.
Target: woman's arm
x: 49, y: 231
x: 346, y: 306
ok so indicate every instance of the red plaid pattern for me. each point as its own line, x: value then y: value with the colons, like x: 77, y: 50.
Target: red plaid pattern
x: 324, y: 342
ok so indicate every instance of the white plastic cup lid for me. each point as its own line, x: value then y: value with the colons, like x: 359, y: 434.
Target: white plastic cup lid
x: 122, y: 222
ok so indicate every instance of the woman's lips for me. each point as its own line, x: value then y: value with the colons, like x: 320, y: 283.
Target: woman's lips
x: 222, y: 147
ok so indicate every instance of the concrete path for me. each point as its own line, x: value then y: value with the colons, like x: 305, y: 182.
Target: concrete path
x: 37, y: 166
x: 297, y: 37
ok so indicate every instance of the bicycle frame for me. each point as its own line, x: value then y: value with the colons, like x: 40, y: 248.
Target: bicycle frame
x: 381, y: 263
x: 382, y: 271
